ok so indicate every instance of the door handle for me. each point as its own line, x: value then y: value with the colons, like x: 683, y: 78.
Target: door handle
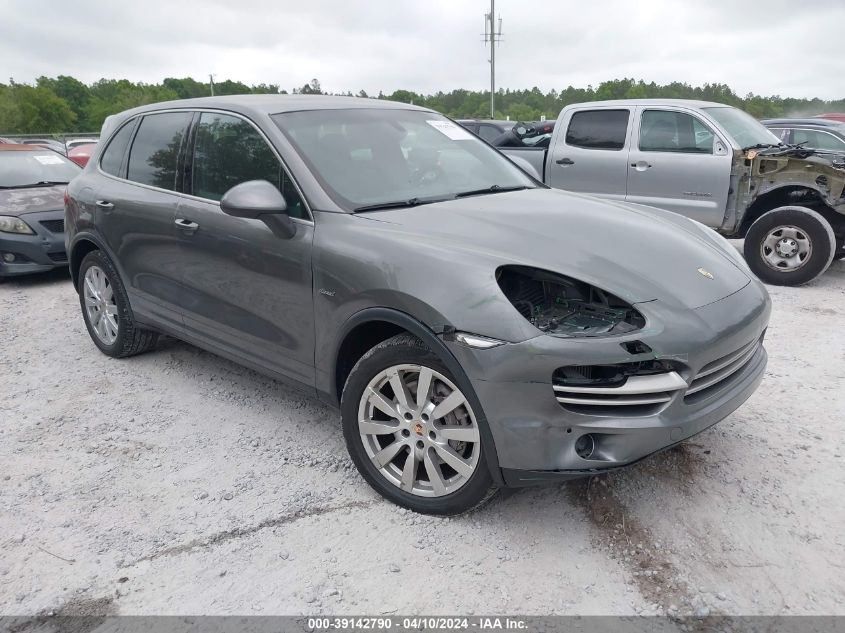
x: 187, y: 225
x: 641, y: 165
x: 565, y: 161
x: 105, y: 205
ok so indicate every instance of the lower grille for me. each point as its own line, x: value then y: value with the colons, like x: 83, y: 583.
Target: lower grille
x: 61, y: 256
x: 714, y: 374
x: 637, y: 395
x: 54, y: 226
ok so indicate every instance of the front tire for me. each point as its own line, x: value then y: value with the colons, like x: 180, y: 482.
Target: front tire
x: 789, y: 246
x: 412, y: 433
x: 106, y: 310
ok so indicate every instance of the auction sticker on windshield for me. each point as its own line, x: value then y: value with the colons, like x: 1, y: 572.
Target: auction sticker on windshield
x: 48, y: 159
x: 454, y: 132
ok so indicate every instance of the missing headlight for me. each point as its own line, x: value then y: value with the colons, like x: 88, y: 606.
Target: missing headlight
x: 561, y: 306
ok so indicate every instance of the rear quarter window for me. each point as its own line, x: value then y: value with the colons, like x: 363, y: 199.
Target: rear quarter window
x: 112, y: 160
x: 598, y: 129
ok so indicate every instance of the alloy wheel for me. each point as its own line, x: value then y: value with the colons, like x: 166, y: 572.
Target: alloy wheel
x: 100, y: 305
x: 419, y: 430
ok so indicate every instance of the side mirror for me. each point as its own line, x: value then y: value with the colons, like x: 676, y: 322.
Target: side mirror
x: 259, y: 200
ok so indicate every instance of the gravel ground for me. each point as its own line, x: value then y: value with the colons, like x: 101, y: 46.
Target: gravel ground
x: 180, y: 483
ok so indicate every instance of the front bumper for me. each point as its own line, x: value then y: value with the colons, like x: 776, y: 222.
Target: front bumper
x: 35, y: 253
x: 535, y: 436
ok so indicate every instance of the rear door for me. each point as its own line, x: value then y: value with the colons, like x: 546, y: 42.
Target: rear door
x: 135, y: 205
x: 590, y: 153
x: 246, y: 292
x: 677, y: 162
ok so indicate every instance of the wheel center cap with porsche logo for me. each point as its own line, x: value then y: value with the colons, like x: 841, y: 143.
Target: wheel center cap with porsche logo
x: 705, y: 273
x: 418, y: 429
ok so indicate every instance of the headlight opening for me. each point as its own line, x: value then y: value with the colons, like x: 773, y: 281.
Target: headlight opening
x: 561, y: 306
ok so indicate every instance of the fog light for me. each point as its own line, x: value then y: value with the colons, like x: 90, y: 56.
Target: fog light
x: 584, y: 446
x: 8, y: 257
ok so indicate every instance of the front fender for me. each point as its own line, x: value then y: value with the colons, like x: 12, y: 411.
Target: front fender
x: 433, y: 342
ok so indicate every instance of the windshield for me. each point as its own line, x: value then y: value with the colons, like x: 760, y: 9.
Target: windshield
x: 744, y: 128
x: 28, y: 168
x: 370, y: 157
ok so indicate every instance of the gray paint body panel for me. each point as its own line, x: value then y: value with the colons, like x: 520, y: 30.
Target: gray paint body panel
x: 284, y: 306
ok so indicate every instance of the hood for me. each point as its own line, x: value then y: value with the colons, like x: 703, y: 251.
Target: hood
x: 637, y: 253
x: 19, y: 202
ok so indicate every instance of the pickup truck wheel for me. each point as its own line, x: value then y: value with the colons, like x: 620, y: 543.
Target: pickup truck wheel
x: 789, y: 246
x: 412, y: 433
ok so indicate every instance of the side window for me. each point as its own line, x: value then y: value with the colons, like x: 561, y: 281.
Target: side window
x: 781, y: 133
x: 112, y: 158
x: 229, y: 151
x: 598, y: 129
x: 667, y: 131
x: 817, y: 140
x: 155, y: 151
x: 488, y: 132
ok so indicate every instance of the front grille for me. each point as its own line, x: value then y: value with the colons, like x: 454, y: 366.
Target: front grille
x: 54, y: 226
x: 61, y: 256
x: 635, y: 395
x: 714, y: 374
x: 643, y: 388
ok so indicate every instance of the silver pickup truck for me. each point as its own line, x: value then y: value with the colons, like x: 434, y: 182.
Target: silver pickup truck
x: 710, y: 162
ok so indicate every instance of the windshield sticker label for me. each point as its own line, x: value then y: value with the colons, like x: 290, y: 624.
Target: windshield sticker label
x: 454, y: 132
x: 48, y: 159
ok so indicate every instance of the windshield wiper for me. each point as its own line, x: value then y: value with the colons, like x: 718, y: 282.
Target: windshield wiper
x: 490, y: 189
x: 399, y: 204
x: 761, y: 146
x: 40, y: 183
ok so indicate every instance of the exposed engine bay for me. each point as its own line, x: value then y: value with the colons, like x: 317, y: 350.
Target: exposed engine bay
x: 561, y: 306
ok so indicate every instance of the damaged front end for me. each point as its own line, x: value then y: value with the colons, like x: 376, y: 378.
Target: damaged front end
x: 561, y: 306
x: 805, y: 176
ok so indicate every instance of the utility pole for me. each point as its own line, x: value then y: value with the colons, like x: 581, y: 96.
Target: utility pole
x: 492, y: 34
x: 211, y: 82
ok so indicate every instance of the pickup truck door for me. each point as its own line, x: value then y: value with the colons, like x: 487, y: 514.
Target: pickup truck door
x: 679, y: 163
x: 590, y: 151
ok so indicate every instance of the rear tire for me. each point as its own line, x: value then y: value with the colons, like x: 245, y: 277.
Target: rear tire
x: 106, y: 310
x: 425, y: 457
x: 789, y: 246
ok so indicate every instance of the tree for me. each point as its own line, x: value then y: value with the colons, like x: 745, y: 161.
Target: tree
x: 312, y: 88
x: 65, y: 104
x: 30, y: 109
x: 73, y: 91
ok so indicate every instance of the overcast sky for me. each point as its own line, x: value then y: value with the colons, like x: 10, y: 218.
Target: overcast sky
x: 785, y: 47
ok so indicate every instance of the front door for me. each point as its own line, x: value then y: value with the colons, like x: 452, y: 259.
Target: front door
x: 678, y: 163
x: 590, y: 154
x: 247, y: 292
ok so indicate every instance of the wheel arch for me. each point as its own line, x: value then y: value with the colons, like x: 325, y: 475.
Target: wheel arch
x: 791, y: 195
x: 374, y: 325
x: 82, y: 245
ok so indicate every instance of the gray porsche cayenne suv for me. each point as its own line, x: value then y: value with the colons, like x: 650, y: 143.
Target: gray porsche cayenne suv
x: 475, y: 328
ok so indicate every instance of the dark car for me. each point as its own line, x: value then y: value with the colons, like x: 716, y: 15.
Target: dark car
x: 488, y: 129
x: 816, y: 133
x: 475, y: 328
x: 32, y: 219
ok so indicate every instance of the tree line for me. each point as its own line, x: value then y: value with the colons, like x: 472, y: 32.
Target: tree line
x: 65, y: 104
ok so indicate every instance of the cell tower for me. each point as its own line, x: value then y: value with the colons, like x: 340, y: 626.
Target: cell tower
x: 493, y: 35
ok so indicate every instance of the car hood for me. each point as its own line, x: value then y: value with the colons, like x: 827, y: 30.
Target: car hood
x: 638, y: 253
x: 31, y: 200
